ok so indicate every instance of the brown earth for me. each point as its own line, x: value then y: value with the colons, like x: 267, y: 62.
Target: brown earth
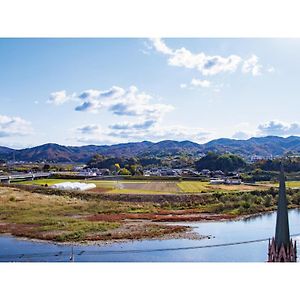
x: 161, y: 216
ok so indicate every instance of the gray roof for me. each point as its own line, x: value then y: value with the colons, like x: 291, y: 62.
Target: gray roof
x: 282, y: 235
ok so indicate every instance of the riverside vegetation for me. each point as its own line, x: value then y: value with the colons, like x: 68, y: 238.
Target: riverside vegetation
x: 49, y: 214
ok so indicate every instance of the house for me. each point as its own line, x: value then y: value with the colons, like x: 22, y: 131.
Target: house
x: 218, y: 173
x: 103, y: 172
x: 217, y: 181
x: 205, y: 172
x: 87, y: 174
x: 233, y: 181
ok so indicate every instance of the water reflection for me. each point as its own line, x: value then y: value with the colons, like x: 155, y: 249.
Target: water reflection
x: 256, y: 227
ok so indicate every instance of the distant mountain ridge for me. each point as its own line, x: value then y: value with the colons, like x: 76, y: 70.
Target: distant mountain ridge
x: 261, y: 146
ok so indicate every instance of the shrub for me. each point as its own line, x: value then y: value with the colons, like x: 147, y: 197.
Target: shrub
x: 12, y: 199
x: 268, y: 201
x: 245, y: 204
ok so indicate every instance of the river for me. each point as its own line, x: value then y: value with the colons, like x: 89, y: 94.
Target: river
x: 258, y: 227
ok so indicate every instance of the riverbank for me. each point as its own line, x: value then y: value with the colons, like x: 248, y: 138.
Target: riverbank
x: 83, y: 218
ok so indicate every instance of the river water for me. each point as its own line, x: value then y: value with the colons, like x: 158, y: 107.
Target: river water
x: 258, y: 227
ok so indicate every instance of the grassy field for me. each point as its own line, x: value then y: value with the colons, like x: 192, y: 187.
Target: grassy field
x: 158, y: 187
x: 293, y: 184
x: 65, y: 219
x: 68, y: 217
x: 193, y: 186
x: 289, y: 184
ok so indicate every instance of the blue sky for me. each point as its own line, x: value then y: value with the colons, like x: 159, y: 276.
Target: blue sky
x: 106, y: 91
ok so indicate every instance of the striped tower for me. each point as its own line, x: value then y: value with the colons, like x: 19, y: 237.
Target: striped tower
x: 282, y: 248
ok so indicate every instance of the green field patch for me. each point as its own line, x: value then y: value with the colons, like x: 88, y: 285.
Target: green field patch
x: 293, y: 184
x: 193, y: 186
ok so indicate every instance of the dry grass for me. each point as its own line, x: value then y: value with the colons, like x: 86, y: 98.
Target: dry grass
x: 65, y: 219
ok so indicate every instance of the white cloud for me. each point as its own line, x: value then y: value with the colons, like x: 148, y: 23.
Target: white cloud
x: 14, y: 126
x: 205, y: 64
x: 252, y: 66
x: 133, y: 126
x: 244, y: 131
x: 279, y: 128
x: 122, y: 102
x: 208, y: 64
x: 91, y: 105
x: 160, y: 46
x: 241, y: 135
x: 112, y: 93
x: 59, y: 98
x: 177, y: 132
x: 89, y: 129
x: 94, y: 134
x: 271, y: 69
x: 200, y: 83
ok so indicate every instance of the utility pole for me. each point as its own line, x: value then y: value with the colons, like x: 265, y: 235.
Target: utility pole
x: 72, y: 257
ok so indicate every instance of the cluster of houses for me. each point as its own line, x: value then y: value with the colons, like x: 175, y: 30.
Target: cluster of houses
x: 254, y: 158
x: 227, y: 180
x: 93, y: 172
x: 170, y: 172
x: 216, y: 177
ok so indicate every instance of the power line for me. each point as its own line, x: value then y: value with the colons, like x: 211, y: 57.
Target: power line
x: 130, y: 251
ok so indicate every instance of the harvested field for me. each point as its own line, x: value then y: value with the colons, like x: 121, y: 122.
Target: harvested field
x: 142, y: 187
x: 160, y: 186
x: 236, y: 188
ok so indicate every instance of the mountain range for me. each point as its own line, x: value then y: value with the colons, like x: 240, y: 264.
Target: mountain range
x: 261, y: 146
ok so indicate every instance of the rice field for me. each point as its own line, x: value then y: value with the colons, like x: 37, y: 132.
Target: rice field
x: 160, y: 187
x: 194, y: 186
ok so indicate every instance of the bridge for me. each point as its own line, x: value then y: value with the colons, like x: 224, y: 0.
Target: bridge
x: 25, y: 176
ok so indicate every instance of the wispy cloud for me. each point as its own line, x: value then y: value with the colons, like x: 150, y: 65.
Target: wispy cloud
x: 60, y: 97
x: 118, y: 133
x: 241, y: 135
x: 200, y: 83
x: 94, y: 134
x: 14, y: 126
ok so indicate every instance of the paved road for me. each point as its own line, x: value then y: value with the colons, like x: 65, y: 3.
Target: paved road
x: 32, y: 176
